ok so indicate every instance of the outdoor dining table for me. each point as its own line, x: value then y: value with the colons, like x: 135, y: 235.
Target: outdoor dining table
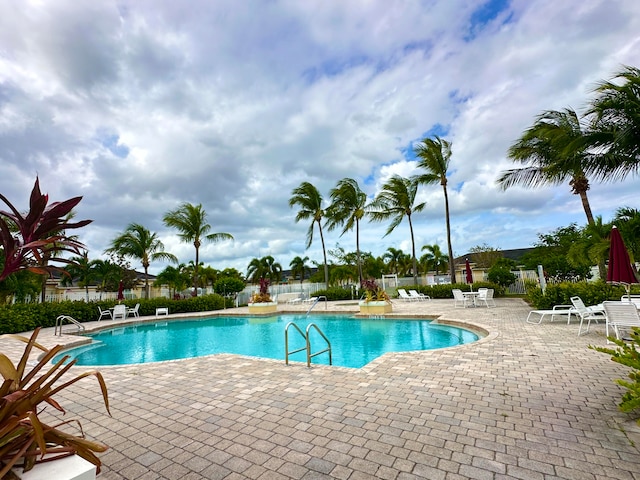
x: 472, y: 296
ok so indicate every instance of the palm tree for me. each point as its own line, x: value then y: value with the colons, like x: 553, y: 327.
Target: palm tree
x: 553, y: 151
x: 396, y: 201
x: 107, y: 274
x: 628, y: 222
x: 265, y: 267
x: 139, y: 243
x: 435, y: 154
x: 308, y: 198
x: 348, y: 207
x: 615, y: 138
x: 393, y: 257
x: 82, y: 270
x: 434, y: 257
x: 191, y: 221
x: 299, y: 266
x: 592, y: 246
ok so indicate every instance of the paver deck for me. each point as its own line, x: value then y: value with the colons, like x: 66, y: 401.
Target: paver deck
x: 526, y: 402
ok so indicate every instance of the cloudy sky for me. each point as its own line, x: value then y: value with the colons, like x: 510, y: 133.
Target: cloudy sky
x: 141, y: 105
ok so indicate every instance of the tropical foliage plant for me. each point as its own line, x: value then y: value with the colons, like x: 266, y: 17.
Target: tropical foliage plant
x: 627, y: 354
x: 23, y: 436
x: 262, y: 295
x: 373, y: 292
x: 28, y: 238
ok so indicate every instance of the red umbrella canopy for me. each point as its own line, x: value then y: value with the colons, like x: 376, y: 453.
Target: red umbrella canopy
x: 620, y: 270
x: 121, y: 291
x: 467, y: 268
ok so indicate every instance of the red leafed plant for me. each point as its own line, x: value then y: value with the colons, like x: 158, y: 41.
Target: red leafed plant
x: 40, y: 232
x: 263, y: 295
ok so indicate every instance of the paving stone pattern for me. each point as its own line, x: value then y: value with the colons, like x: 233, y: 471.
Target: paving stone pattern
x: 526, y: 402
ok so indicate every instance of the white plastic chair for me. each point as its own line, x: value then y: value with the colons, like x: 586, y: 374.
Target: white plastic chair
x: 104, y: 313
x: 133, y: 311
x: 586, y: 313
x: 485, y: 295
x: 458, y: 297
x: 418, y: 296
x: 120, y: 311
x: 621, y: 315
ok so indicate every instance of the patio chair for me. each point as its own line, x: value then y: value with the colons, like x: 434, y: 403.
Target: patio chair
x: 567, y: 310
x: 458, y: 298
x: 133, y: 311
x: 593, y: 312
x: 104, y: 313
x: 418, y: 296
x: 485, y: 295
x: 403, y: 295
x: 120, y: 311
x: 620, y: 315
x: 635, y: 299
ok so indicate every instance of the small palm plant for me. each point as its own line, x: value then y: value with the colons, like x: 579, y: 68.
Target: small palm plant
x: 22, y: 395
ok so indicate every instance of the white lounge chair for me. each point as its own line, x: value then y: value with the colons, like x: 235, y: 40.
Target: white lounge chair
x: 621, y: 315
x: 418, y: 296
x: 593, y: 312
x: 104, y: 313
x: 635, y: 299
x: 564, y: 310
x: 402, y: 293
x: 310, y: 299
x: 120, y: 311
x: 458, y: 298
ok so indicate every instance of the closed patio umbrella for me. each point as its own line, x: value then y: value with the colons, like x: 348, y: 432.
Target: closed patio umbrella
x: 468, y: 273
x: 620, y: 270
x: 121, y: 291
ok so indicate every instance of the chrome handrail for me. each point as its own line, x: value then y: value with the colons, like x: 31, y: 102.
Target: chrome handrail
x: 316, y: 301
x: 68, y: 318
x: 307, y: 346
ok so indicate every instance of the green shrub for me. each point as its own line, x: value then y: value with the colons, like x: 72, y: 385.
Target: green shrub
x: 591, y: 293
x: 627, y: 354
x: 25, y: 317
x: 335, y: 293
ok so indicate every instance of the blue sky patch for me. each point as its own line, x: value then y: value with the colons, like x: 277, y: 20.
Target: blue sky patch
x: 484, y: 14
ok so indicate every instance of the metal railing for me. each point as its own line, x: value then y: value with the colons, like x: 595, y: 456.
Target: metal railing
x: 68, y: 318
x: 307, y: 341
x: 315, y: 302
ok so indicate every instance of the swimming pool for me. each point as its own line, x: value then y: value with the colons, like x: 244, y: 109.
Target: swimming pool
x: 354, y: 341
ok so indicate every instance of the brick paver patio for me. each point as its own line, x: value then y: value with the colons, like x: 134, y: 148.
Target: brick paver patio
x: 527, y: 402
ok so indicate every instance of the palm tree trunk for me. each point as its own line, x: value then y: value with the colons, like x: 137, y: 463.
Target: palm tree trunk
x: 452, y: 267
x: 358, y: 251
x: 195, y: 272
x: 586, y: 206
x: 413, y: 253
x: 324, y: 254
x: 146, y: 281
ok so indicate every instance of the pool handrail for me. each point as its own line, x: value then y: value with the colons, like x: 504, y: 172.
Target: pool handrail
x: 316, y: 301
x: 307, y: 346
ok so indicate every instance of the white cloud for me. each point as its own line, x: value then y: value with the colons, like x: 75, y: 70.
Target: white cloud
x: 142, y: 105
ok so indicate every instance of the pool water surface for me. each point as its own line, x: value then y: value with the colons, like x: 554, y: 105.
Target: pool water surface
x: 354, y: 341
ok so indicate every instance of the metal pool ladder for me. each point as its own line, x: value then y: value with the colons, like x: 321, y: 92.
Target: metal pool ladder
x: 70, y: 319
x: 307, y: 346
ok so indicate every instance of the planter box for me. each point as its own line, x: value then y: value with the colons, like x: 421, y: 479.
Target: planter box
x: 263, y: 308
x: 375, y: 308
x: 68, y: 468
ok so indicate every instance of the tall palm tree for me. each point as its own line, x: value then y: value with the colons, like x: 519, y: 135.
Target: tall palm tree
x: 191, y: 221
x: 435, y: 257
x: 393, y: 258
x: 348, y: 207
x: 553, y: 151
x: 435, y: 154
x: 107, y: 273
x: 628, y: 222
x: 397, y: 200
x: 616, y: 127
x: 82, y: 270
x: 139, y: 243
x: 299, y: 267
x: 592, y: 245
x: 308, y: 198
x: 265, y: 267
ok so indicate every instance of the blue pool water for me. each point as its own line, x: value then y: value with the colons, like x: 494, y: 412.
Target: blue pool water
x: 355, y: 342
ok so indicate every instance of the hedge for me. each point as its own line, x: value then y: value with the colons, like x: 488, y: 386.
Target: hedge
x: 25, y: 317
x: 444, y: 291
x: 591, y: 293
